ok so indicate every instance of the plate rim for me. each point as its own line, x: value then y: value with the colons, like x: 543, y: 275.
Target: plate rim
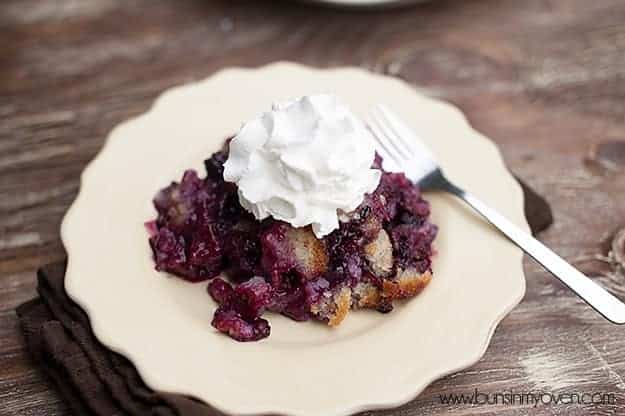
x: 364, y: 5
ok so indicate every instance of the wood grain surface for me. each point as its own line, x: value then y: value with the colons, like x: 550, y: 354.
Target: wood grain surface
x: 544, y: 79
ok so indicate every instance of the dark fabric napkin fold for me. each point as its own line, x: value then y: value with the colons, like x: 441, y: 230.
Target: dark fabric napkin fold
x: 97, y: 381
x: 91, y: 378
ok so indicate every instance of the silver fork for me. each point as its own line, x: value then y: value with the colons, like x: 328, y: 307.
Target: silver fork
x: 403, y: 151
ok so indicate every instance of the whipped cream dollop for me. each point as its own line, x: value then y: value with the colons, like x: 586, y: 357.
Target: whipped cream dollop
x: 304, y: 162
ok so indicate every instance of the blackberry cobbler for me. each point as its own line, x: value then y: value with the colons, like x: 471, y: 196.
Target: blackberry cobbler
x: 381, y: 252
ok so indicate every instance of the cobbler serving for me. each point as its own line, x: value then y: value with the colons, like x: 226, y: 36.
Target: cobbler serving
x: 267, y: 252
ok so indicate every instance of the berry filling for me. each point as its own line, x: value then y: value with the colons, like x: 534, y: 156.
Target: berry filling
x: 381, y: 251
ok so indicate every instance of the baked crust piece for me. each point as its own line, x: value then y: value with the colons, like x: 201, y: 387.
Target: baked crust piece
x: 379, y: 254
x: 309, y: 251
x: 405, y: 284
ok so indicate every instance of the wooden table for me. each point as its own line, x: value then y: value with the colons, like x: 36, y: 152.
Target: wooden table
x: 544, y: 79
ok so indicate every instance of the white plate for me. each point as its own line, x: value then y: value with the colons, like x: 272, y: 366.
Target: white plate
x: 307, y: 369
x: 365, y: 3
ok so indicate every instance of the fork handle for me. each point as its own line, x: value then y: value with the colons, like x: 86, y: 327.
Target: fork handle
x: 596, y: 296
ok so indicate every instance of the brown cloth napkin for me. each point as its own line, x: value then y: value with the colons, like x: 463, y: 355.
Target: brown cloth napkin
x: 91, y: 378
x: 97, y: 381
